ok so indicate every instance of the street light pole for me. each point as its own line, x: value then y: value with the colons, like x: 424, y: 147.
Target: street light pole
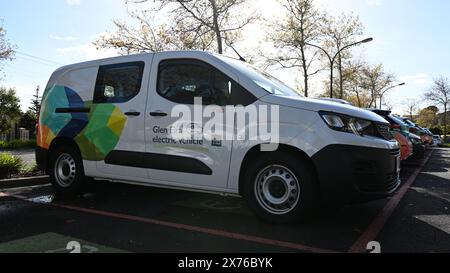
x: 385, y: 91
x: 333, y: 59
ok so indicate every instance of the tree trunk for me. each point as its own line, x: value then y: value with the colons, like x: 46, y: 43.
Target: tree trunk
x: 219, y: 42
x: 302, y: 50
x: 358, y: 98
x: 305, y: 71
x: 445, y: 122
x: 216, y: 27
x: 341, y: 79
x: 373, y: 99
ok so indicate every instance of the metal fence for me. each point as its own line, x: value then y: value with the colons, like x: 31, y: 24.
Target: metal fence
x: 15, y: 134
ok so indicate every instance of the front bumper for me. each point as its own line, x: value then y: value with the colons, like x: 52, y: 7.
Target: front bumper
x: 350, y: 174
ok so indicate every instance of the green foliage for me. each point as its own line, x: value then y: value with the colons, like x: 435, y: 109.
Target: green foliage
x: 35, y: 104
x: 427, y: 117
x: 6, y: 49
x: 437, y: 131
x: 29, y: 169
x: 28, y: 121
x: 17, y: 144
x: 9, y: 108
x: 9, y: 165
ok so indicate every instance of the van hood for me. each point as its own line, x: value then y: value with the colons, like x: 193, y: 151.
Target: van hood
x: 320, y: 105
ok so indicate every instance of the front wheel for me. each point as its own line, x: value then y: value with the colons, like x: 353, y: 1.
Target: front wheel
x: 66, y: 172
x: 280, y: 188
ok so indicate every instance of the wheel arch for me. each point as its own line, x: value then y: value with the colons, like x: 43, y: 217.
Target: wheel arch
x: 255, y: 152
x: 61, y: 141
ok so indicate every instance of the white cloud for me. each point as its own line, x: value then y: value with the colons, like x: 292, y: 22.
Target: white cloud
x: 63, y: 38
x: 86, y: 52
x: 73, y: 2
x: 25, y: 91
x: 417, y: 79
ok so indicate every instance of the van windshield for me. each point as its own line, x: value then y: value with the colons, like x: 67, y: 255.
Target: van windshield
x: 264, y: 80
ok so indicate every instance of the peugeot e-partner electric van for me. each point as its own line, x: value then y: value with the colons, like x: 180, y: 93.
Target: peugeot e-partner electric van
x: 113, y: 120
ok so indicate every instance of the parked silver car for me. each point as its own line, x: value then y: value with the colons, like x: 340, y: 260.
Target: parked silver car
x: 437, y: 141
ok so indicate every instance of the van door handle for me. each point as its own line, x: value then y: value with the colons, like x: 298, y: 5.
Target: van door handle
x: 133, y: 114
x: 158, y: 114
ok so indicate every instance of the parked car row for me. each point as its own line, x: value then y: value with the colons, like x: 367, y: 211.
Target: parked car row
x: 437, y: 141
x: 412, y: 138
x: 410, y: 143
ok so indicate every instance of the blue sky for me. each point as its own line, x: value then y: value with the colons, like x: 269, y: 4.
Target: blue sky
x: 412, y: 38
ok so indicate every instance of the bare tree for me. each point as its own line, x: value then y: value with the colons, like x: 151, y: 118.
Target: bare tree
x: 6, y: 49
x: 356, y: 92
x: 292, y: 36
x: 144, y: 38
x: 376, y: 80
x: 388, y: 106
x: 440, y: 95
x: 339, y: 32
x: 412, y: 106
x: 205, y: 24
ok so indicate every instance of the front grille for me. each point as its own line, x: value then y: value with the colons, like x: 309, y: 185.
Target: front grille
x: 393, y: 183
x: 395, y: 152
x: 384, y: 130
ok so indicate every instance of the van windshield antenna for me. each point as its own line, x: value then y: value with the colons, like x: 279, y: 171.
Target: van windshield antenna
x: 237, y: 53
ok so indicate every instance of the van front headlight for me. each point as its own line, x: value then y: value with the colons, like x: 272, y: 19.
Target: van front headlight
x: 348, y: 124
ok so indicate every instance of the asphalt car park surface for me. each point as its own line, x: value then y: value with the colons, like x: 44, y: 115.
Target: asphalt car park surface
x: 124, y: 218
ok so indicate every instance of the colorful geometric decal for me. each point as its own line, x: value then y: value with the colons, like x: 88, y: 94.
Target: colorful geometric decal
x: 103, y: 132
x: 78, y: 121
x: 96, y: 133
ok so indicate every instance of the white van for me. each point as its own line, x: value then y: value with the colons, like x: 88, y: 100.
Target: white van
x: 113, y: 120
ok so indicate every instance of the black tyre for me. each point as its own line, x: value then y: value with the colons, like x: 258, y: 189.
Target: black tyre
x: 280, y: 188
x: 66, y: 170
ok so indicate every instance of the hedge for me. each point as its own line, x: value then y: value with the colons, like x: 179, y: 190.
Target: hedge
x: 17, y: 144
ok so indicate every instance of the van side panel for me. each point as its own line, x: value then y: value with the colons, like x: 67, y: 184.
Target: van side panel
x: 65, y: 105
x: 67, y: 112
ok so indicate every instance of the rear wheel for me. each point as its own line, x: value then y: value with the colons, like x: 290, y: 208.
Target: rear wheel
x: 66, y: 170
x: 280, y: 188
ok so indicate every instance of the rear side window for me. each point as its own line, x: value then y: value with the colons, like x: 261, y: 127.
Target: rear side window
x: 118, y: 83
x: 181, y: 81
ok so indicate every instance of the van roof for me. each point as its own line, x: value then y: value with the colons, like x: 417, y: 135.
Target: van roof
x: 93, y: 62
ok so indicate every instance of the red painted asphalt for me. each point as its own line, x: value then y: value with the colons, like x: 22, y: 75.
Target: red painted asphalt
x: 214, y: 232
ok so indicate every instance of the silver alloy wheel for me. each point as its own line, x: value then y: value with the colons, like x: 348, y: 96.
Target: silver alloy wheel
x: 65, y: 170
x: 277, y: 189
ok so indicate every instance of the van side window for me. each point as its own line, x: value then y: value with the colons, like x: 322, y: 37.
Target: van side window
x: 180, y: 81
x: 118, y: 83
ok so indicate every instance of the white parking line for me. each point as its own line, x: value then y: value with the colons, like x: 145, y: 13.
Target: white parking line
x: 441, y: 222
x: 435, y: 193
